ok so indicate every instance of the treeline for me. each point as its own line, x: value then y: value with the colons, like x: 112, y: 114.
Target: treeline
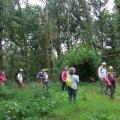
x: 29, y: 35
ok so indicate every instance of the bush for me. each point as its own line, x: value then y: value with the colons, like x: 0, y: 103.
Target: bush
x: 85, y: 60
x: 43, y: 105
x: 14, y: 111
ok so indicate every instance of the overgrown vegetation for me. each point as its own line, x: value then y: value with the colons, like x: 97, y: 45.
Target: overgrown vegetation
x: 84, y: 59
x: 35, y: 103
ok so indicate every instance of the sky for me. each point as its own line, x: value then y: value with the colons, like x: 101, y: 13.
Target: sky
x: 109, y: 6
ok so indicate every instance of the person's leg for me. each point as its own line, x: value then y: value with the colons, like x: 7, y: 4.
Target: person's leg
x: 63, y: 85
x: 106, y: 91
x: 43, y: 83
x: 112, y: 91
x: 46, y: 85
x: 70, y: 94
x: 20, y: 84
x: 39, y: 82
x: 101, y: 86
x: 74, y: 95
x: 2, y: 83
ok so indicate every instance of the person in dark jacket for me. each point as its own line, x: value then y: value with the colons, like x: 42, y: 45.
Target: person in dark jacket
x: 111, y: 82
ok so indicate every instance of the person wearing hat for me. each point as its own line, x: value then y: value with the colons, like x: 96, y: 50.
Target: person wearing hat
x: 102, y: 72
x: 111, y: 82
x: 19, y: 78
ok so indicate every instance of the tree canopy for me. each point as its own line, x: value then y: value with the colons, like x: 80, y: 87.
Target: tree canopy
x: 30, y: 35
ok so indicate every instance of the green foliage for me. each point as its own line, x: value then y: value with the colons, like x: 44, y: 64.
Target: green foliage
x: 5, y: 94
x: 85, y: 60
x: 33, y: 103
x: 21, y: 105
x: 14, y: 111
x: 44, y: 106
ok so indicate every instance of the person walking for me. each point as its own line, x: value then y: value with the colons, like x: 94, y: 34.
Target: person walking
x: 111, y: 82
x: 64, y: 77
x: 72, y: 82
x: 102, y: 72
x: 40, y: 78
x: 19, y: 78
x: 45, y: 79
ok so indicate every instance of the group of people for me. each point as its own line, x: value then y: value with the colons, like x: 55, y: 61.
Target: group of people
x: 42, y: 78
x: 18, y: 78
x: 107, y: 81
x: 69, y: 82
x: 107, y: 78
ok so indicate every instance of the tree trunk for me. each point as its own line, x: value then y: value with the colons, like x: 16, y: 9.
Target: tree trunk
x: 46, y: 42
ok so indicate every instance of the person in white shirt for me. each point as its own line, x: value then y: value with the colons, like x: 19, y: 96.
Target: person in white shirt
x: 102, y: 72
x: 19, y: 78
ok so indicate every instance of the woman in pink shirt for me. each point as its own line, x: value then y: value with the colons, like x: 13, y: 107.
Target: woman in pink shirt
x: 64, y: 77
x: 2, y: 78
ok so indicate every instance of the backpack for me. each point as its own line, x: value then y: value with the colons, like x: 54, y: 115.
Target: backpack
x: 69, y: 82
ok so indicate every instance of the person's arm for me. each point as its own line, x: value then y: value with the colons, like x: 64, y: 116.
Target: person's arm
x: 115, y: 76
x: 18, y: 77
x: 77, y: 79
x: 99, y: 72
x: 47, y: 76
x: 37, y: 76
x: 63, y: 75
x: 5, y: 79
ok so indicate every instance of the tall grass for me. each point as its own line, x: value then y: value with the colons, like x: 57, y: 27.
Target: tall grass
x: 35, y: 103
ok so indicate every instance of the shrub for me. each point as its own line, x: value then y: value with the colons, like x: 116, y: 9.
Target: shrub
x: 44, y: 105
x: 85, y: 60
x: 14, y: 111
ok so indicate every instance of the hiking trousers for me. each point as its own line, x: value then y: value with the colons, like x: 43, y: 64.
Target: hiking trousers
x: 72, y: 94
x: 101, y: 85
x: 64, y: 85
x: 112, y: 89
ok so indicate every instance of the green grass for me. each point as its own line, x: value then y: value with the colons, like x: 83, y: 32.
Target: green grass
x: 34, y: 103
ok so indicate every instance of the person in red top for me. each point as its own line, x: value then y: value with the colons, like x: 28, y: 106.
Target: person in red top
x: 2, y: 78
x: 64, y: 77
